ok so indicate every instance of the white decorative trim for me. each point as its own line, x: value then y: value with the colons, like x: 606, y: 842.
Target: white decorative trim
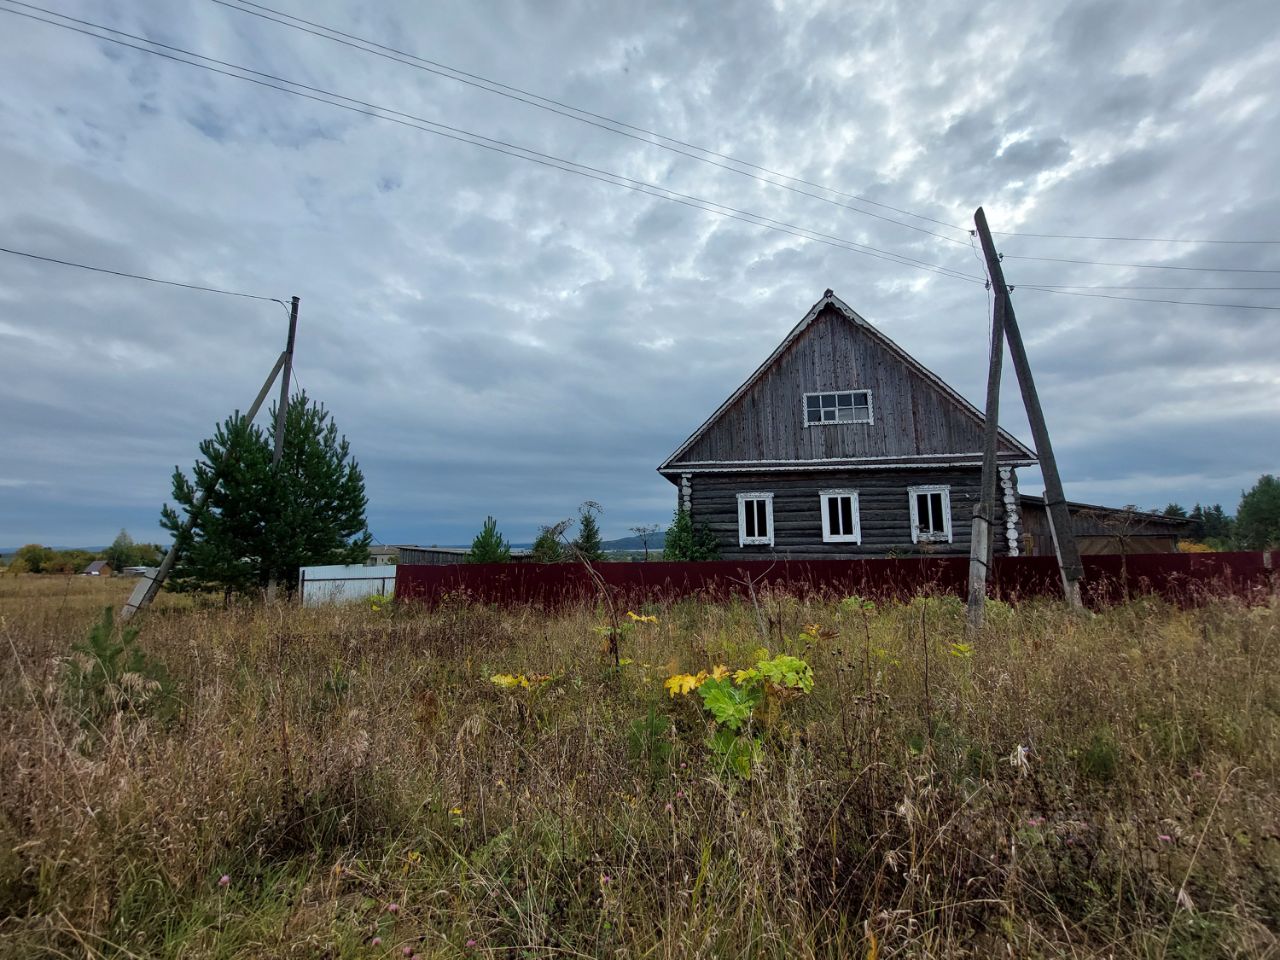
x: 686, y: 492
x: 914, y: 364
x: 756, y: 541
x: 917, y: 536
x: 804, y: 405
x: 975, y: 454
x: 827, y: 535
x: 1010, y: 511
x: 805, y: 466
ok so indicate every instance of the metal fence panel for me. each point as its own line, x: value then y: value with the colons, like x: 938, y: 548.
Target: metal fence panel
x: 342, y: 583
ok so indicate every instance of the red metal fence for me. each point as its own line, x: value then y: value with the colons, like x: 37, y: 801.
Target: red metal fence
x: 1179, y: 577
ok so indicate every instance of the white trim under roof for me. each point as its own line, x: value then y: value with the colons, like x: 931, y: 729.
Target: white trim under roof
x: 831, y: 299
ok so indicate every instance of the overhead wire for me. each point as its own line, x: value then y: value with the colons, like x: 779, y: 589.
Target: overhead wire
x: 600, y: 121
x: 612, y: 125
x: 1137, y: 266
x: 138, y: 276
x: 447, y: 131
x: 1126, y: 286
x: 1070, y: 236
x: 604, y: 176
x: 1110, y: 296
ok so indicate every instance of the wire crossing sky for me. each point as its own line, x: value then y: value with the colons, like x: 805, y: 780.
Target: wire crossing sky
x: 497, y: 337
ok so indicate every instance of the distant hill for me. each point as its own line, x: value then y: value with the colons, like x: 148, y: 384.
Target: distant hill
x: 629, y: 544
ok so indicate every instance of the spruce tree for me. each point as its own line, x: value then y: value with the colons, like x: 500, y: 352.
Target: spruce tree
x: 489, y: 545
x: 689, y: 541
x: 546, y: 548
x: 261, y: 521
x: 588, y: 542
x: 1257, y: 525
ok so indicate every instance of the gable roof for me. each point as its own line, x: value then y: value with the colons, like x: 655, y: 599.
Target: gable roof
x: 1012, y: 446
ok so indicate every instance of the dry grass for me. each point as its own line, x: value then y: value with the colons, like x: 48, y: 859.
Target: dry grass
x: 319, y: 757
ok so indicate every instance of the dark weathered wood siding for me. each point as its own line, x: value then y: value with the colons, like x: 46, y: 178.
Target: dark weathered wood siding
x: 797, y: 512
x: 912, y: 415
x: 1101, y: 530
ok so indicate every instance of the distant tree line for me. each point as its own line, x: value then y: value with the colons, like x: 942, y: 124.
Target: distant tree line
x: 123, y: 552
x: 684, y: 540
x: 1255, y: 526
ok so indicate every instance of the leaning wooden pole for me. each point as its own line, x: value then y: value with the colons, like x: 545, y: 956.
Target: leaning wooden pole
x: 282, y: 411
x: 980, y: 544
x: 148, y: 587
x: 1064, y: 541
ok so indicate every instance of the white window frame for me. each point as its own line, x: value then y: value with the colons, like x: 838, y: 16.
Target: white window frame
x: 918, y: 536
x: 871, y: 410
x: 756, y: 541
x: 827, y: 536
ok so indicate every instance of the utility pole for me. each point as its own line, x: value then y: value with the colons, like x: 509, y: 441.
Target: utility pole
x: 282, y: 410
x: 981, y: 547
x: 1064, y: 541
x: 148, y: 587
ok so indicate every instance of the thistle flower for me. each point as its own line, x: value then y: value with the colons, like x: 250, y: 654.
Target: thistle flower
x: 375, y: 942
x: 224, y: 881
x: 395, y: 908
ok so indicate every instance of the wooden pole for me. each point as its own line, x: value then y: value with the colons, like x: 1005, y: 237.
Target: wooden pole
x: 1064, y: 541
x: 148, y: 587
x: 981, y: 543
x: 282, y: 411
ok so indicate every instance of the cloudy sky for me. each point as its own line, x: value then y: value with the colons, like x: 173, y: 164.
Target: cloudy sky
x: 495, y: 336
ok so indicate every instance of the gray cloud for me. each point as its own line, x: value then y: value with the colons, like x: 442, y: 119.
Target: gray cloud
x: 497, y: 337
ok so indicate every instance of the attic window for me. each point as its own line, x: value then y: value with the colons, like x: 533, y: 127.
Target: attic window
x: 848, y: 406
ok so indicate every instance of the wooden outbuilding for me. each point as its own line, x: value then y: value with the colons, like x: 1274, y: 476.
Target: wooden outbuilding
x: 841, y: 444
x: 1102, y: 530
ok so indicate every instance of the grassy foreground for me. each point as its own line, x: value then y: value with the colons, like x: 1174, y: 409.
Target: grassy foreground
x: 349, y: 782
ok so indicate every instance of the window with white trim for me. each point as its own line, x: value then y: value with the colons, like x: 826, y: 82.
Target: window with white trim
x: 840, y: 521
x: 755, y: 519
x: 930, y: 514
x: 847, y: 406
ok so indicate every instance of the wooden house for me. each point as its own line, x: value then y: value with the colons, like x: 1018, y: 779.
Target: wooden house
x: 843, y: 445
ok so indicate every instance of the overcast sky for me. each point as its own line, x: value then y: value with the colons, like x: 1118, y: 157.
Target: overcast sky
x: 494, y: 336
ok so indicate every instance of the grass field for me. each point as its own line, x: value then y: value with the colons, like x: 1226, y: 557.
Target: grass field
x: 350, y: 782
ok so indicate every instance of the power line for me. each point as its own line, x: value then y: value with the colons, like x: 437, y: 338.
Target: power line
x: 581, y: 115
x: 1109, y: 296
x: 1137, y: 266
x: 138, y: 276
x: 1100, y: 286
x: 488, y: 143
x: 1069, y: 236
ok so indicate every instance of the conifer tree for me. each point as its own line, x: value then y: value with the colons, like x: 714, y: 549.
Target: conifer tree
x: 588, y: 542
x: 546, y: 548
x: 687, y: 540
x: 261, y: 521
x: 489, y: 545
